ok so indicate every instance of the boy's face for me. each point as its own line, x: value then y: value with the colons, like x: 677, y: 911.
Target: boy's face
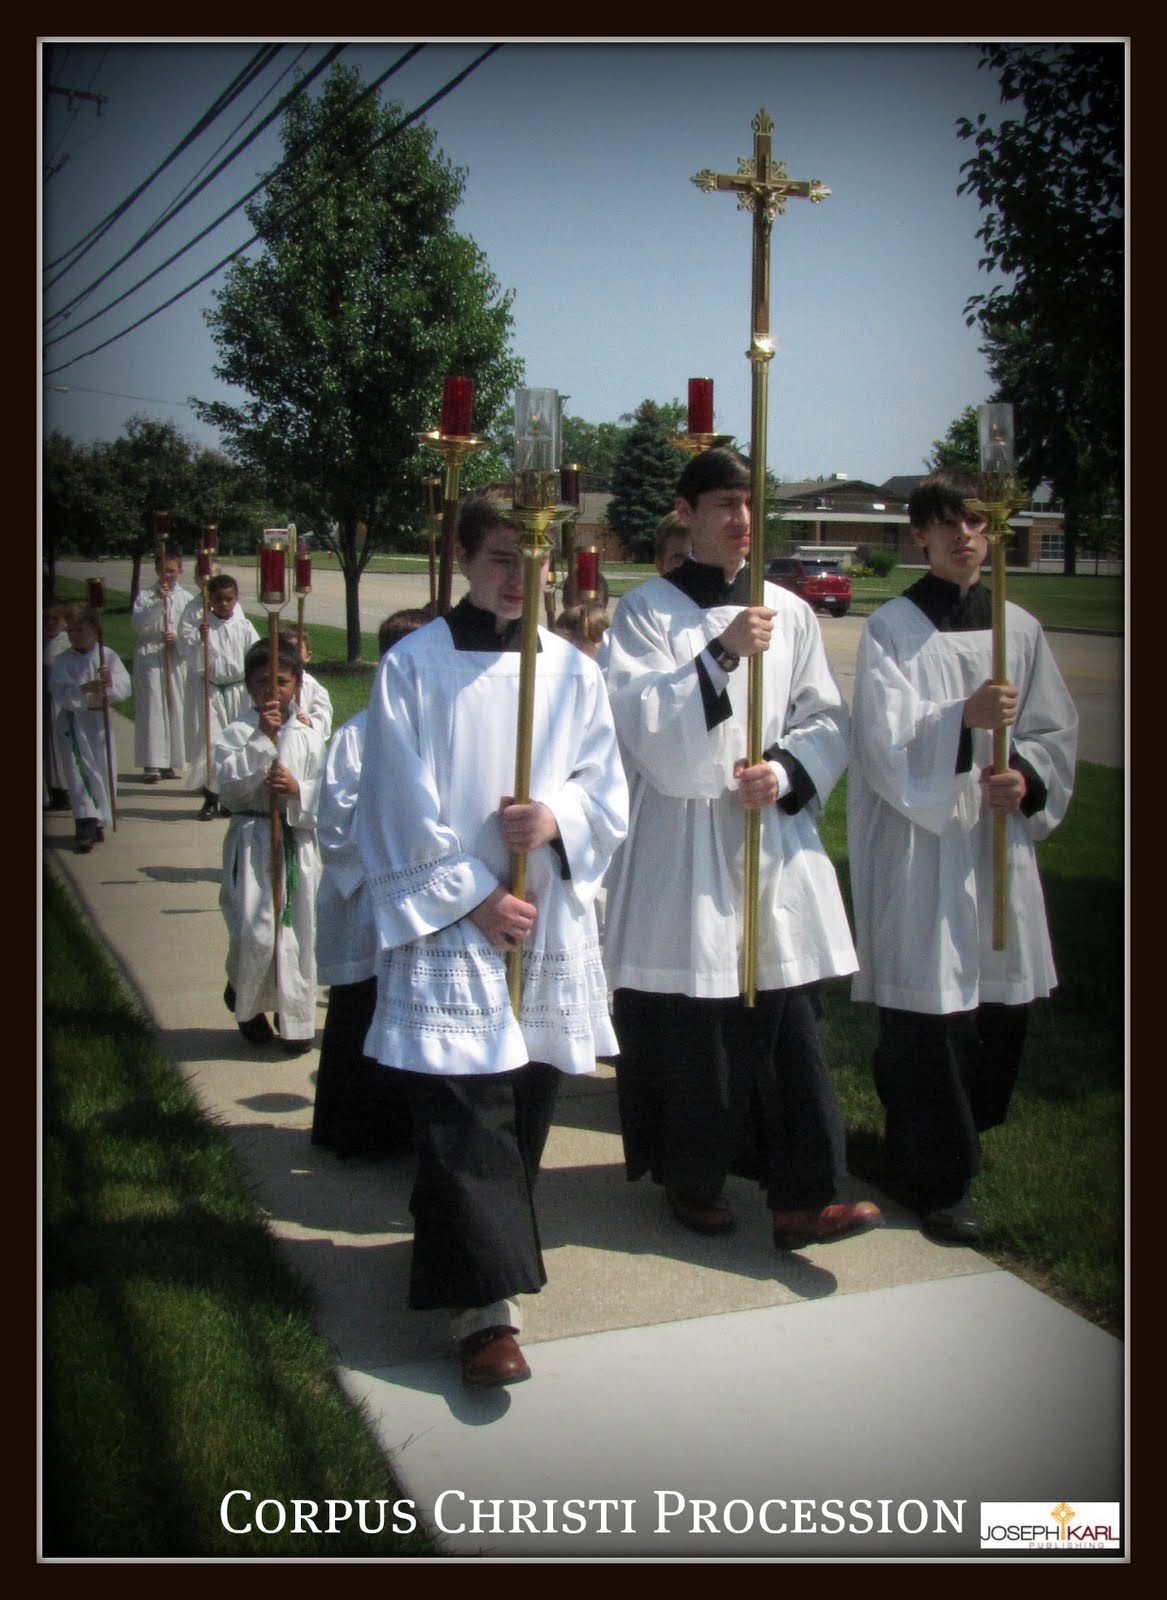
x: 223, y: 602
x: 675, y: 552
x: 719, y: 525
x: 495, y: 573
x: 168, y: 573
x: 82, y: 636
x: 287, y: 685
x: 956, y: 547
x: 54, y: 622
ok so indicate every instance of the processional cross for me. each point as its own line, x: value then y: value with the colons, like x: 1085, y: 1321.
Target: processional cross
x: 763, y: 188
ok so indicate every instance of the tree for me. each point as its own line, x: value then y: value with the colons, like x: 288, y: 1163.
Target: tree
x: 148, y: 468
x: 960, y: 446
x: 1051, y: 185
x: 644, y: 478
x: 593, y: 447
x: 341, y: 331
x: 68, y: 510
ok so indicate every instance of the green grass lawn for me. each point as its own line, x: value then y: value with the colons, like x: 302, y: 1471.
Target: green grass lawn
x: 179, y: 1361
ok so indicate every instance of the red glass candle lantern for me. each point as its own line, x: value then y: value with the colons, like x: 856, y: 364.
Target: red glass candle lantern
x: 587, y: 573
x: 203, y: 565
x: 457, y: 394
x: 161, y: 524
x: 303, y: 571
x: 700, y: 405
x: 271, y: 567
x: 569, y: 485
x: 96, y: 594
x: 211, y: 537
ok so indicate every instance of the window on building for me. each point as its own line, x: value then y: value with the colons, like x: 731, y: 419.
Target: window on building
x: 1053, y: 547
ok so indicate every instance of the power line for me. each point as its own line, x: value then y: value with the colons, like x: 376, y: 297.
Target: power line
x: 283, y: 166
x: 292, y: 210
x: 258, y: 61
x: 64, y: 310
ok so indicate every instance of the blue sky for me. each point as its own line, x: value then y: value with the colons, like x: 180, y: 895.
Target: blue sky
x: 578, y: 157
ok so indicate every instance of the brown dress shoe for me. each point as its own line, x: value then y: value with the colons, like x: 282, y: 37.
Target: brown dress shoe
x: 491, y: 1357
x: 794, y: 1229
x: 701, y: 1216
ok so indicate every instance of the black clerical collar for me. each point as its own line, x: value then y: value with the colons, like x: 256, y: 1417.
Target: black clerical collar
x: 472, y: 628
x: 707, y: 585
x: 947, y: 609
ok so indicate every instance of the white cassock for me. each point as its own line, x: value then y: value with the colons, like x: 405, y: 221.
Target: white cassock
x: 159, y: 695
x: 228, y: 641
x: 346, y: 937
x: 80, y: 729
x: 242, y: 758
x: 315, y: 702
x: 53, y: 772
x: 920, y: 840
x: 439, y: 756
x: 675, y: 893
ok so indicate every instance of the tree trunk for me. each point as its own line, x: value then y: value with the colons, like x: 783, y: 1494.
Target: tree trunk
x: 352, y: 609
x: 135, y: 576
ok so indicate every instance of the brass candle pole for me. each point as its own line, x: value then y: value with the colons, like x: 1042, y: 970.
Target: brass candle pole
x: 999, y: 500
x: 210, y: 539
x: 162, y: 534
x: 432, y: 492
x: 535, y: 508
x: 455, y: 448
x: 762, y: 188
x: 276, y: 548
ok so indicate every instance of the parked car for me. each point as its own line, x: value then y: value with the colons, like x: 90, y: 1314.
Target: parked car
x: 822, y: 584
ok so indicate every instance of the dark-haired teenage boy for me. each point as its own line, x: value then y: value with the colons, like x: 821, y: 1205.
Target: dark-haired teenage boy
x: 920, y: 805
x: 708, y: 1085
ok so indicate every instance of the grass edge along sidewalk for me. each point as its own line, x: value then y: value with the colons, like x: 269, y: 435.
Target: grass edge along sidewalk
x: 178, y: 1357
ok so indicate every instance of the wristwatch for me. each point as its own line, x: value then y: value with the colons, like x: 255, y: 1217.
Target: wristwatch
x: 724, y: 658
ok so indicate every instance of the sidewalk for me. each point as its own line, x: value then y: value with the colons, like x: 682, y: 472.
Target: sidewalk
x: 668, y: 1368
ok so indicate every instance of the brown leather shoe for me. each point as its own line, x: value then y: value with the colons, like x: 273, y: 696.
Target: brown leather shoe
x: 491, y: 1357
x: 794, y: 1229
x: 701, y: 1216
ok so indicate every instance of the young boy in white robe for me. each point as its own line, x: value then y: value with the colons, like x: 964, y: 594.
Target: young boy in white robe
x: 159, y: 673
x: 228, y: 634
x: 707, y: 1085
x: 268, y: 754
x: 54, y: 640
x: 314, y: 703
x: 360, y: 1107
x: 921, y: 801
x: 80, y: 688
x: 437, y: 830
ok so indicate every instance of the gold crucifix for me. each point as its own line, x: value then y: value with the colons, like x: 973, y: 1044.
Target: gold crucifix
x: 763, y: 188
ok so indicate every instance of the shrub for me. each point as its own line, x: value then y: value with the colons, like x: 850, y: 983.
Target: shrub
x: 882, y: 562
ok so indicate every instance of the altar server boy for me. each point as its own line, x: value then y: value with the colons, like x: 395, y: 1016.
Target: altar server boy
x: 76, y: 683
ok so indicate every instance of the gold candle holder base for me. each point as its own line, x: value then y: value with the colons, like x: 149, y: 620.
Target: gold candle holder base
x: 455, y: 448
x: 694, y: 444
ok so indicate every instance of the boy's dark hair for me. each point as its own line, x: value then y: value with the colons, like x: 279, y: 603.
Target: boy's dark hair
x: 670, y: 527
x: 221, y: 581
x: 77, y: 611
x: 398, y: 626
x: 940, y: 497
x: 481, y: 513
x: 258, y: 659
x: 712, y: 469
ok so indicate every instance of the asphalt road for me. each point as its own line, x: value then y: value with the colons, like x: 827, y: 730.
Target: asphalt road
x: 1093, y: 665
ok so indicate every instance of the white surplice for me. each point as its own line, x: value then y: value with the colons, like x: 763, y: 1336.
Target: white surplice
x: 159, y: 688
x: 242, y: 758
x: 920, y: 839
x: 81, y: 728
x: 228, y: 641
x: 346, y: 937
x: 439, y: 756
x: 675, y: 893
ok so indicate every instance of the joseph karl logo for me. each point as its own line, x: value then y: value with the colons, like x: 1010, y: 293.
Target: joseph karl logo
x: 1038, y: 1525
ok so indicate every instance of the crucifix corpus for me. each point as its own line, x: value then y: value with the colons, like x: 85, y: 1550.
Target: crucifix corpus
x: 763, y: 188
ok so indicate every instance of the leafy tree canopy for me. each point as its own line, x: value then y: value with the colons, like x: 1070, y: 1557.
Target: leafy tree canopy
x: 960, y: 446
x: 1051, y: 186
x: 340, y: 332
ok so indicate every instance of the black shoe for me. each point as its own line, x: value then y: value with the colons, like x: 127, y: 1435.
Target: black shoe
x: 210, y: 809
x: 701, y: 1216
x: 58, y: 800
x: 82, y: 847
x: 150, y: 775
x: 954, y: 1222
x: 168, y: 772
x: 229, y: 998
x: 256, y: 1030
x: 296, y: 1047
